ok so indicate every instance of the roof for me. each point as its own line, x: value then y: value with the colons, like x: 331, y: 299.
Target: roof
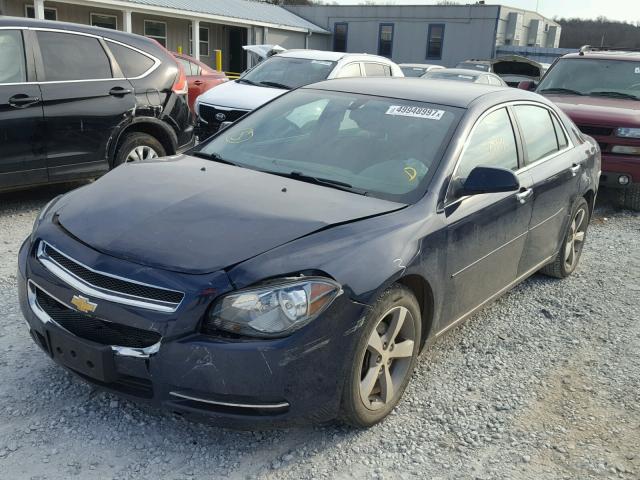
x: 247, y: 10
x: 327, y: 55
x: 442, y: 92
x: 418, y: 65
x: 460, y: 71
x: 606, y: 55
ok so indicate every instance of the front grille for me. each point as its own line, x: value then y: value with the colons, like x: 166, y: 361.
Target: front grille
x: 599, y: 131
x: 208, y: 114
x: 95, y: 329
x: 107, y: 282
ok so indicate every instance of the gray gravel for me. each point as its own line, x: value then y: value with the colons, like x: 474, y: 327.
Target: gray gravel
x: 544, y: 384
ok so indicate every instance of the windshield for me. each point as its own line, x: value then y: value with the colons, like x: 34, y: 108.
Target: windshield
x: 288, y: 72
x: 483, y: 67
x: 382, y: 147
x: 461, y: 77
x: 413, y: 71
x: 595, y: 77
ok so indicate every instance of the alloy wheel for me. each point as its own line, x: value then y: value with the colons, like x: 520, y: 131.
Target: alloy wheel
x: 387, y: 359
x: 575, y: 239
x: 141, y: 153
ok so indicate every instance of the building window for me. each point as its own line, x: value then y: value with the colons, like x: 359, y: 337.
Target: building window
x: 49, y: 13
x: 340, y: 32
x: 204, y: 41
x: 157, y: 31
x: 435, y: 37
x: 385, y: 39
x: 104, y: 21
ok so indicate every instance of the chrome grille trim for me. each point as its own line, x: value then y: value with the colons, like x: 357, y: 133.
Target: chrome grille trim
x: 92, y: 290
x: 44, y: 317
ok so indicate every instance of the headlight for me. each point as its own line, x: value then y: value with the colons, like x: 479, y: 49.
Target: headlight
x: 275, y: 310
x: 42, y: 214
x: 628, y: 132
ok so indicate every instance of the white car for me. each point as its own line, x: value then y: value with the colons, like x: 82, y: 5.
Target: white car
x: 279, y: 74
x: 418, y: 69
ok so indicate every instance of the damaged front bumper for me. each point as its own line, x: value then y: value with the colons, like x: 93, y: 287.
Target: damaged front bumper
x: 237, y: 382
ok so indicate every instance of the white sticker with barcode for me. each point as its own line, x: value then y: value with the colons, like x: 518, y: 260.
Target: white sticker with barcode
x: 416, y: 112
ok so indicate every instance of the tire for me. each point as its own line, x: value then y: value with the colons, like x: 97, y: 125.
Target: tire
x: 136, y: 147
x: 569, y: 255
x: 629, y: 197
x: 396, y: 360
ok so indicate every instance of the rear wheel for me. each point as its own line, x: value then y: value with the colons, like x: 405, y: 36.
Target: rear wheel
x: 629, y: 197
x: 384, y: 358
x: 569, y: 255
x: 138, y: 147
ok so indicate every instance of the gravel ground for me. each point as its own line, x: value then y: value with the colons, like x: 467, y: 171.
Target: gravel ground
x: 543, y: 384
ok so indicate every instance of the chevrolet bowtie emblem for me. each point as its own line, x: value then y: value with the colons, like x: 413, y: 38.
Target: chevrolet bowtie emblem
x: 83, y: 304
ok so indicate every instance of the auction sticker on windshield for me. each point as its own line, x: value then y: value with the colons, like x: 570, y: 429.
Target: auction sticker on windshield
x: 416, y: 112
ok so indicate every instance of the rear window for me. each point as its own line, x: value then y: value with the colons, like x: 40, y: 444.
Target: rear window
x: 72, y: 57
x: 132, y: 63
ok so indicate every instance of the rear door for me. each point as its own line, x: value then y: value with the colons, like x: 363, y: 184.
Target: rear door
x: 554, y: 167
x: 22, y: 156
x: 486, y: 233
x: 85, y: 99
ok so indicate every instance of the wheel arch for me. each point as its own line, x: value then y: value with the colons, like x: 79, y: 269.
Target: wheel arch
x: 151, y: 126
x: 423, y: 292
x: 590, y: 197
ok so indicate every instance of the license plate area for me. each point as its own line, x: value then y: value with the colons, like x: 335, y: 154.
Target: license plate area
x: 88, y: 358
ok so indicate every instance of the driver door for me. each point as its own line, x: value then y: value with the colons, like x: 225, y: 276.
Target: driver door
x: 486, y: 233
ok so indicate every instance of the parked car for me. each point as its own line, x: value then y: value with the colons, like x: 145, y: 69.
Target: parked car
x: 306, y: 254
x: 277, y: 75
x: 76, y: 101
x: 200, y: 76
x: 462, y: 75
x: 417, y: 69
x: 513, y: 69
x: 600, y: 91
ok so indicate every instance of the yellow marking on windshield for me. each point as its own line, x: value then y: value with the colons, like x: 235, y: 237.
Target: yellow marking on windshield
x: 241, y: 136
x: 411, y: 172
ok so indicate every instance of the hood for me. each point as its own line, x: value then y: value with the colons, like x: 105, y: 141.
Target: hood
x: 264, y: 51
x: 191, y: 215
x: 239, y: 95
x: 584, y: 110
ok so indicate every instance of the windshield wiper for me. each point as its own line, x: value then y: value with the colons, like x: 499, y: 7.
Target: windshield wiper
x: 561, y: 90
x: 248, y: 82
x: 326, y: 182
x: 276, y: 85
x: 614, y: 95
x: 213, y: 156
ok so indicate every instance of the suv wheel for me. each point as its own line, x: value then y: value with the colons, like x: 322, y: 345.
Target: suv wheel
x: 138, y: 147
x: 629, y: 197
x: 384, y: 358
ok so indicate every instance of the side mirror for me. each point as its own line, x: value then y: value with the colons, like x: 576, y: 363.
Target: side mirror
x: 527, y: 85
x: 490, y: 180
x: 224, y: 125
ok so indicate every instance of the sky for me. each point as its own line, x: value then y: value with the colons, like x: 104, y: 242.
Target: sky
x: 625, y: 10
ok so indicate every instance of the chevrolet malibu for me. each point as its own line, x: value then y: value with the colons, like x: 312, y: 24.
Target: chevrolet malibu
x: 292, y: 267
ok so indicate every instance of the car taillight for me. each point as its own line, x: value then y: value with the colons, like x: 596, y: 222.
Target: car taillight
x: 180, y: 86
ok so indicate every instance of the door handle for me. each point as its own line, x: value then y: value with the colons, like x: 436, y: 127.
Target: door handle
x: 119, y: 91
x: 575, y: 169
x: 22, y: 100
x: 523, y: 195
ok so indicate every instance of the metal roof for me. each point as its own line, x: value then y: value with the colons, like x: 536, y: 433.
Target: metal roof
x: 243, y: 10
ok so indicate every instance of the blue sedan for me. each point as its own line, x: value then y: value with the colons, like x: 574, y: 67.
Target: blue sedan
x: 292, y: 267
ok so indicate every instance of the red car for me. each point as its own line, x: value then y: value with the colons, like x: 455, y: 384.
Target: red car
x: 600, y: 90
x: 200, y: 76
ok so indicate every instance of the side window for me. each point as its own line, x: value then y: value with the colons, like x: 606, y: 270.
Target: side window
x: 483, y: 79
x: 494, y: 81
x: 537, y: 130
x: 12, y: 59
x: 492, y: 143
x: 562, y: 139
x: 132, y: 63
x: 186, y: 64
x: 351, y: 70
x: 72, y: 57
x: 375, y: 70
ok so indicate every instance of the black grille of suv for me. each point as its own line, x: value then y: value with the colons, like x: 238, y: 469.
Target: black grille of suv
x: 208, y: 114
x: 94, y: 329
x: 599, y: 131
x: 112, y: 284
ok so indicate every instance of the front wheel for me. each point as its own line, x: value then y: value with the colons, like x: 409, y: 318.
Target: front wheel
x: 138, y: 147
x: 384, y: 358
x: 569, y: 255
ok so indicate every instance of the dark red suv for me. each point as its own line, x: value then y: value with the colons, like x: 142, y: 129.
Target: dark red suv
x: 600, y: 90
